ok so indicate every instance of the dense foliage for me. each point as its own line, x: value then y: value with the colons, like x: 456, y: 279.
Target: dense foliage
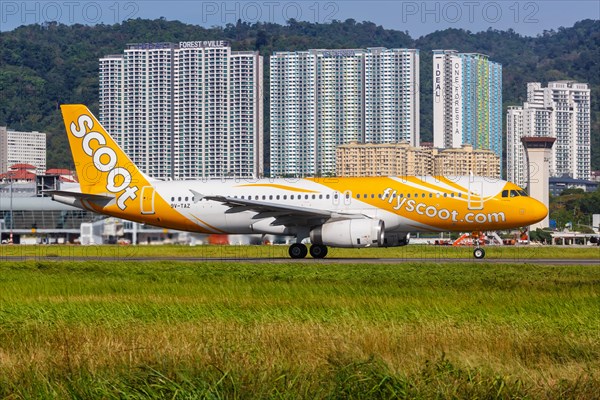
x: 574, y: 209
x: 42, y: 66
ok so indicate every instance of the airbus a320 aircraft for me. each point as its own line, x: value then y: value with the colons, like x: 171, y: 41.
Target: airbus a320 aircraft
x: 336, y: 212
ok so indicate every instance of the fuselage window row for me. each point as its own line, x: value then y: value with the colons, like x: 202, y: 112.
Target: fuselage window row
x: 505, y: 193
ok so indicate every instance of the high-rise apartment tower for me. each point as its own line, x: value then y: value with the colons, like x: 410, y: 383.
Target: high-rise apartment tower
x: 186, y: 110
x: 321, y: 99
x: 560, y: 111
x: 467, y: 101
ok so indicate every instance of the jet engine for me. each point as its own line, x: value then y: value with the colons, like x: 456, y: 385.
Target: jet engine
x: 350, y: 233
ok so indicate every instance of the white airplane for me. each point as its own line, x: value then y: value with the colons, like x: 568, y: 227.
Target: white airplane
x: 336, y: 212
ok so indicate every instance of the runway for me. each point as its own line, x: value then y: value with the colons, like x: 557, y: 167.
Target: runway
x: 282, y: 260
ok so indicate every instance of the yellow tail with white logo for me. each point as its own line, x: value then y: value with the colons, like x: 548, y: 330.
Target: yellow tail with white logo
x: 102, y: 167
x: 109, y: 181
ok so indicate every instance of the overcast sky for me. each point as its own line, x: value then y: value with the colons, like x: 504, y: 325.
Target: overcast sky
x: 416, y: 17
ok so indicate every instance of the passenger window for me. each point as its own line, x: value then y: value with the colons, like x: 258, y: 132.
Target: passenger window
x: 270, y: 197
x: 422, y: 194
x: 314, y: 196
x: 452, y: 195
x: 172, y: 198
x: 264, y: 197
x: 445, y: 194
x: 292, y: 197
x: 408, y: 195
x: 285, y: 196
x: 179, y: 199
x: 277, y: 198
x: 358, y: 196
x: 320, y: 197
x: 305, y: 197
x: 327, y: 197
x: 430, y: 195
x: 372, y: 195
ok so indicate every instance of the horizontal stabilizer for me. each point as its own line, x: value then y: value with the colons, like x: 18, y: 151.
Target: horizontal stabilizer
x: 99, y: 199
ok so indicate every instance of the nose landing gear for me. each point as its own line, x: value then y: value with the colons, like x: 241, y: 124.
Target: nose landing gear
x: 478, y: 253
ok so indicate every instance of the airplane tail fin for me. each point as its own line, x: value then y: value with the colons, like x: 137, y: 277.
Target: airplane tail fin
x: 102, y: 166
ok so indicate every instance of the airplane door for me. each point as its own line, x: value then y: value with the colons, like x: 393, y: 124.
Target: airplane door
x: 147, y: 200
x: 475, y: 196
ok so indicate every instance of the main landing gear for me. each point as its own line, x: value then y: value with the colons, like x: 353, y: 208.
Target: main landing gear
x: 318, y: 251
x: 299, y: 250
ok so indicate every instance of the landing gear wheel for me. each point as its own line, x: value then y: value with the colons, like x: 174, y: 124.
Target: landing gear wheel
x: 479, y: 253
x: 298, y: 250
x: 318, y: 251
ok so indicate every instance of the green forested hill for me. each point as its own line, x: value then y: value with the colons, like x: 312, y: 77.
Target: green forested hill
x: 44, y: 66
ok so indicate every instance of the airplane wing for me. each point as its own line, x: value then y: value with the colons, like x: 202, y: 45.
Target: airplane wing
x: 268, y: 209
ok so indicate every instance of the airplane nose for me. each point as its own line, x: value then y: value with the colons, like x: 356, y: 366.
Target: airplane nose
x: 537, y: 211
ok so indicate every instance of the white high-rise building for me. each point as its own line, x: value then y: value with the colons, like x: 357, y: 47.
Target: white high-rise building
x: 467, y: 101
x: 561, y: 111
x: 22, y: 148
x: 321, y: 99
x: 186, y: 110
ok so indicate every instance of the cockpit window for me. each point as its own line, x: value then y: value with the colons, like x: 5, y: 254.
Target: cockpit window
x: 505, y: 193
x: 514, y: 193
x: 523, y: 193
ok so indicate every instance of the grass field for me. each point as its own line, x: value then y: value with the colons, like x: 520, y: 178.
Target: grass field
x: 123, y: 329
x: 513, y: 253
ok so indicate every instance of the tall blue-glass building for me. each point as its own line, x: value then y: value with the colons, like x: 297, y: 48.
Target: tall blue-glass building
x: 467, y: 101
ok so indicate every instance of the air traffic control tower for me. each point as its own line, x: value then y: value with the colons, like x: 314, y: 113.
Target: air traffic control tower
x: 538, y: 151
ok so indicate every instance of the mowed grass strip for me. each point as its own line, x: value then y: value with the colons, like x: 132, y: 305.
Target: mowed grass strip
x: 155, y: 329
x: 425, y: 252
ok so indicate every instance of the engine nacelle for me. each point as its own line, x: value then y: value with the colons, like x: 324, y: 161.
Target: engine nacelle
x: 350, y: 233
x: 396, y: 239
